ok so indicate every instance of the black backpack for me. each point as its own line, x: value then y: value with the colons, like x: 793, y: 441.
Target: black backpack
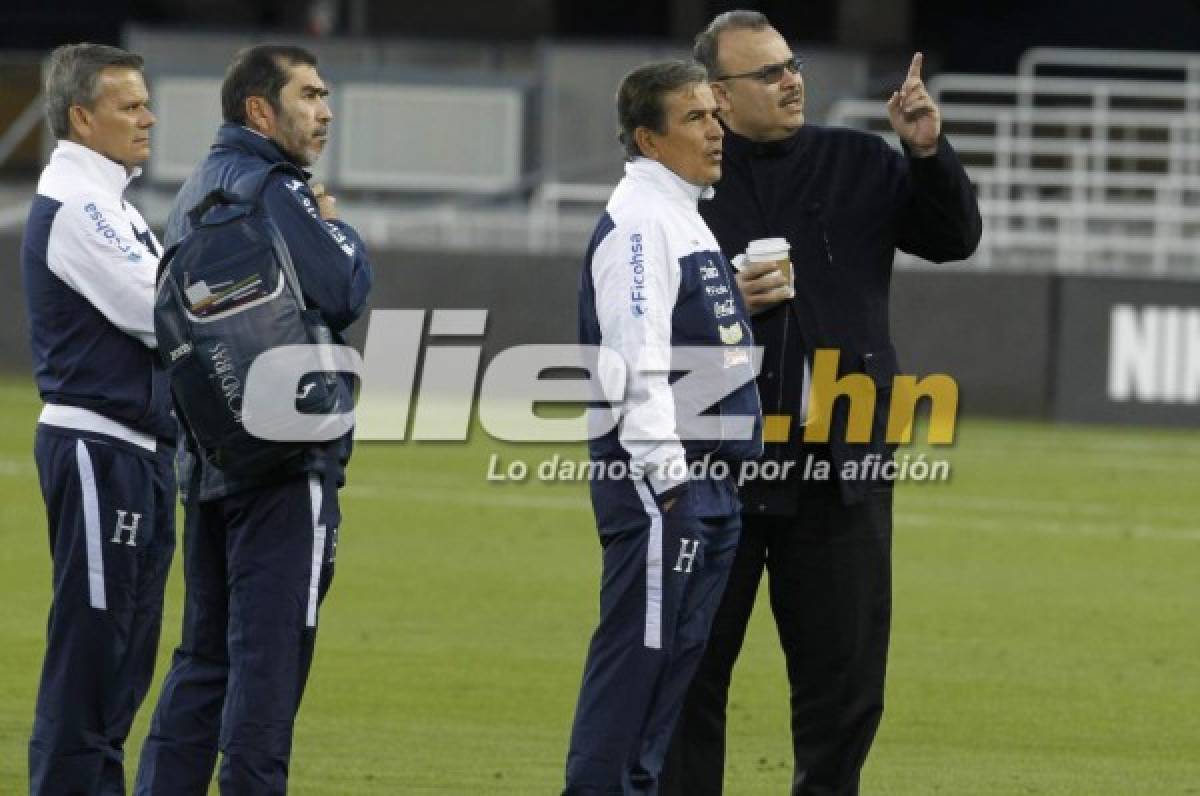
x: 227, y: 293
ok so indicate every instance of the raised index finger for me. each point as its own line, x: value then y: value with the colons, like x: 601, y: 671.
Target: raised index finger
x: 914, y: 69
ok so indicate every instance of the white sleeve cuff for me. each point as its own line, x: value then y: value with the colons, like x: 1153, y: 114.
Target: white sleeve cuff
x: 667, y: 476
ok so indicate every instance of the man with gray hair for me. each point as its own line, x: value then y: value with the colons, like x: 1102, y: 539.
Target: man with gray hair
x: 105, y: 439
x: 656, y: 291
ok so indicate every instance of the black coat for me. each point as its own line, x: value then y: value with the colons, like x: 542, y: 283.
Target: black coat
x: 845, y: 201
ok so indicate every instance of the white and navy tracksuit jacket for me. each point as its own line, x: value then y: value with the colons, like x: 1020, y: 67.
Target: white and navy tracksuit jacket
x: 89, y: 262
x: 654, y: 281
x: 104, y: 452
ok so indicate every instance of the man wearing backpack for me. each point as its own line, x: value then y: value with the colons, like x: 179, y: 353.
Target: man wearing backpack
x: 259, y: 549
x: 105, y: 438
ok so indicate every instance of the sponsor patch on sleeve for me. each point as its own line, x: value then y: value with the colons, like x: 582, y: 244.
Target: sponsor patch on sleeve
x: 296, y: 188
x: 104, y: 230
x: 340, y: 239
x: 637, y: 275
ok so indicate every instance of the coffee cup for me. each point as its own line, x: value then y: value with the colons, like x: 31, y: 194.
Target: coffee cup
x: 772, y: 250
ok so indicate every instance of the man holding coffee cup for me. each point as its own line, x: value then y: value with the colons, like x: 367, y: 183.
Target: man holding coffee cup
x: 819, y: 213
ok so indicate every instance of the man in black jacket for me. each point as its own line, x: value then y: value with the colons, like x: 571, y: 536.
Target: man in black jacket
x: 845, y: 201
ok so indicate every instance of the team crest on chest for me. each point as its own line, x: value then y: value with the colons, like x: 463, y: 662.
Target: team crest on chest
x: 731, y: 334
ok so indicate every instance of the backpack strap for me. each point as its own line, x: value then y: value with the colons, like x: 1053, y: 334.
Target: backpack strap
x: 214, y: 198
x: 251, y: 189
x: 164, y: 261
x: 248, y: 191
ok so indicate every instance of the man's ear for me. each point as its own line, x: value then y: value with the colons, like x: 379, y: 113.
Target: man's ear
x: 721, y: 95
x: 79, y: 121
x: 259, y: 114
x: 647, y: 141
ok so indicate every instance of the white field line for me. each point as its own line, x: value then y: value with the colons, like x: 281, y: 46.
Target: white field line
x: 948, y: 500
x: 502, y: 496
x: 14, y: 466
x: 374, y: 478
x: 1181, y: 466
x: 1058, y: 443
x: 1007, y: 524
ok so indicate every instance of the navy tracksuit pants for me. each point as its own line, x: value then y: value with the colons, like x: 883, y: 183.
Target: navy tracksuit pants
x: 661, y: 584
x: 257, y: 565
x: 110, y: 507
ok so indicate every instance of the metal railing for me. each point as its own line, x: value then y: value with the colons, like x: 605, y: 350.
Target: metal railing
x: 1093, y: 173
x: 1086, y: 160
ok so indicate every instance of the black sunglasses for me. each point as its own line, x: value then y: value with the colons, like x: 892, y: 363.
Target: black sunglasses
x: 771, y: 73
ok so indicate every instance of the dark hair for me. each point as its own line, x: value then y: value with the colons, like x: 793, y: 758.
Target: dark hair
x: 640, y: 97
x: 259, y: 71
x: 73, y: 78
x: 705, y: 48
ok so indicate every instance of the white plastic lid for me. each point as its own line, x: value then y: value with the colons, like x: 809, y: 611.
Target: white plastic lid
x: 757, y: 248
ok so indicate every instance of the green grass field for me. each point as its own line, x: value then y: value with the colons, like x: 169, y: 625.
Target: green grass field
x: 1046, y: 631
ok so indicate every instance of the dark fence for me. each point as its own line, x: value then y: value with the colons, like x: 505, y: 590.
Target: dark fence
x: 1128, y: 352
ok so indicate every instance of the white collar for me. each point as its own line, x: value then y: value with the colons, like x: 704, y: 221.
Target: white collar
x: 107, y: 174
x: 642, y: 168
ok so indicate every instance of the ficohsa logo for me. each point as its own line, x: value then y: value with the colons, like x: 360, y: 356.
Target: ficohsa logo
x: 637, y: 267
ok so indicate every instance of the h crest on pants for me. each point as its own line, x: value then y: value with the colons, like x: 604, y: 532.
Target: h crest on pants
x: 123, y: 526
x: 687, y: 555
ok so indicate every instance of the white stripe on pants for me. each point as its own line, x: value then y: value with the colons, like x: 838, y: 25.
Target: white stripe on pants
x: 318, y: 550
x: 654, y: 569
x: 91, y: 527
